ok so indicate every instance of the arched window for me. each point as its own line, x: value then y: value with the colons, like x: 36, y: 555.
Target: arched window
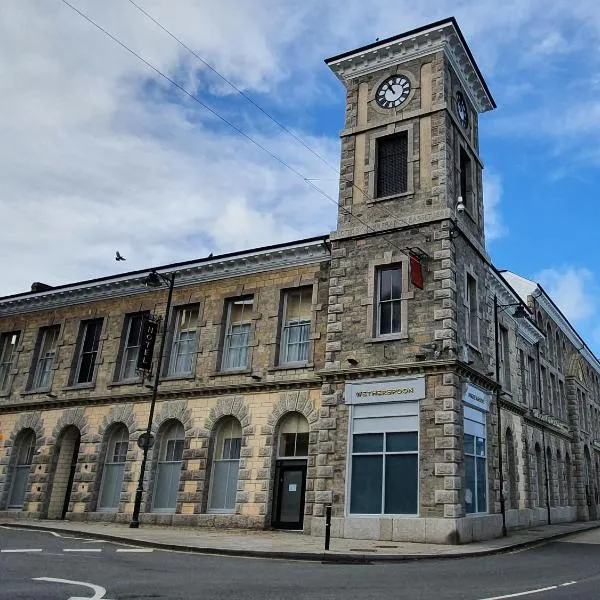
x: 557, y: 347
x: 293, y: 436
x: 511, y: 465
x: 549, y: 343
x: 539, y: 466
x: 552, y: 495
x: 569, y: 479
x: 24, y: 448
x: 114, y: 467
x: 225, y: 466
x: 560, y: 467
x: 168, y: 468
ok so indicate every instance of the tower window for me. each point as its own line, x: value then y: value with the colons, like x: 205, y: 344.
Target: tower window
x: 392, y: 165
x: 466, y: 179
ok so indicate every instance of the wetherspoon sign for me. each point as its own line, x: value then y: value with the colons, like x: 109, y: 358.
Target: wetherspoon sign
x: 385, y: 390
x: 147, y: 340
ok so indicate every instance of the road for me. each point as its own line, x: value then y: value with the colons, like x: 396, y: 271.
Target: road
x: 124, y: 573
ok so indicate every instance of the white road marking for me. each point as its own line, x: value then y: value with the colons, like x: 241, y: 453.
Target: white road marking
x: 530, y: 592
x: 135, y: 550
x: 23, y: 550
x: 98, y: 590
x: 82, y: 549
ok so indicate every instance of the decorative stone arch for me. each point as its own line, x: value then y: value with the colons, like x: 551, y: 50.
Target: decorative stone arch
x: 289, y: 402
x: 72, y: 416
x: 34, y: 422
x: 575, y: 368
x: 122, y: 414
x: 170, y: 410
x: 232, y: 406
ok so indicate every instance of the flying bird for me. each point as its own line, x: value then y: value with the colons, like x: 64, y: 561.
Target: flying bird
x: 210, y: 255
x: 118, y: 257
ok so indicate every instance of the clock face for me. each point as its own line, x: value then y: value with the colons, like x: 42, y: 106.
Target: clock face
x: 393, y: 91
x: 461, y: 110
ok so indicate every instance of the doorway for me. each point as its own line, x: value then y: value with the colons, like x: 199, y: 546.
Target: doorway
x: 64, y: 472
x: 289, y: 494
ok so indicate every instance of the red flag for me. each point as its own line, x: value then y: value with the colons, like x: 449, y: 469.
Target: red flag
x: 416, y: 272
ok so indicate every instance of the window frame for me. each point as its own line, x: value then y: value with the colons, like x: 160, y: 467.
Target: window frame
x: 284, y: 326
x: 78, y: 358
x: 471, y: 430
x: 174, y: 340
x: 392, y: 301
x: 121, y: 362
x: 6, y: 366
x: 220, y: 436
x: 398, y: 190
x: 472, y: 312
x: 34, y: 383
x: 227, y: 334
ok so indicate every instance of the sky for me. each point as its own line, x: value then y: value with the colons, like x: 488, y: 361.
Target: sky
x: 98, y: 152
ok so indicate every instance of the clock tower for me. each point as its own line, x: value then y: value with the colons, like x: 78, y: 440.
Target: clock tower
x: 407, y: 316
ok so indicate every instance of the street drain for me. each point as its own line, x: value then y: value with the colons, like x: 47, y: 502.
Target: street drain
x: 362, y: 550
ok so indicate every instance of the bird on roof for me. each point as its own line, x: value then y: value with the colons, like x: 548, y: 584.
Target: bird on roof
x: 118, y: 257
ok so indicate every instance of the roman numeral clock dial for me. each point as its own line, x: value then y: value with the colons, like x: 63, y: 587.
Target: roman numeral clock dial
x: 393, y: 92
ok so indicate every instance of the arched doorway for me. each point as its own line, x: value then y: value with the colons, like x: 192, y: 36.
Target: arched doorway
x: 589, y: 485
x: 227, y: 447
x: 511, y: 463
x: 168, y: 468
x: 539, y: 468
x: 24, y: 449
x: 117, y: 444
x: 64, y: 465
x: 290, y: 472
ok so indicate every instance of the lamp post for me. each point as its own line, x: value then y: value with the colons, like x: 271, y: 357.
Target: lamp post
x: 519, y: 313
x: 155, y: 280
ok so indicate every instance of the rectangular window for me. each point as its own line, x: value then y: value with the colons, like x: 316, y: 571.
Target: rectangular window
x: 131, y: 346
x: 237, y: 334
x: 504, y: 355
x: 532, y: 381
x: 295, y: 334
x: 523, y: 368
x: 554, y: 402
x: 183, y: 346
x: 44, y: 359
x: 89, y: 341
x: 392, y: 165
x: 545, y: 401
x: 471, y: 301
x: 8, y: 351
x: 385, y: 473
x: 465, y: 179
x: 389, y: 291
x: 561, y: 387
x: 475, y: 461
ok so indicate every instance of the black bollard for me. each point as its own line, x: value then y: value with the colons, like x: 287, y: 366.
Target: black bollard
x: 327, y: 527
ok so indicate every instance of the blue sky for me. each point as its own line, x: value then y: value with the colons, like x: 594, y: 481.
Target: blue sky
x: 99, y: 153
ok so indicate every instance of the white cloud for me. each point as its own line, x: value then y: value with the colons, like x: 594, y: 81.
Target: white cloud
x: 492, y: 194
x: 573, y: 289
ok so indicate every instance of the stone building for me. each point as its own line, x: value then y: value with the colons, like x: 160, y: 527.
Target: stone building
x: 356, y: 370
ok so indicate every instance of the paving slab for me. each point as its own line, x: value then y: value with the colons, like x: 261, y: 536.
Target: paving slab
x: 294, y: 545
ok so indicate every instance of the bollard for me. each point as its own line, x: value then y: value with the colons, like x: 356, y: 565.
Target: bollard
x: 327, y: 526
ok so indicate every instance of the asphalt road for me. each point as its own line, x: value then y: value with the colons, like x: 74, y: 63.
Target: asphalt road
x: 123, y: 573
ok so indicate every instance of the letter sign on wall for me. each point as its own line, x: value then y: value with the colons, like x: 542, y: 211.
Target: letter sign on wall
x: 147, y: 339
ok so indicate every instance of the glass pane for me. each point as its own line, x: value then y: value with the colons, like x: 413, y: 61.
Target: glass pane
x: 167, y: 485
x: 401, y: 484
x: 367, y: 477
x: 479, y: 446
x: 241, y: 310
x: 224, y: 484
x: 86, y: 369
x: 19, y: 486
x: 469, y: 444
x: 396, y: 283
x: 402, y: 442
x: 395, y: 316
x: 470, y: 495
x: 481, y: 486
x: 120, y: 452
x: 91, y: 337
x: 232, y: 447
x: 385, y: 285
x: 385, y: 318
x: 112, y: 482
x: 291, y: 497
x: 288, y: 444
x: 174, y: 450
x: 368, y: 442
x: 302, y: 444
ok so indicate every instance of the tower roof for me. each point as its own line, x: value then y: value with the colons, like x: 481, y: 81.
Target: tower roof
x: 442, y: 35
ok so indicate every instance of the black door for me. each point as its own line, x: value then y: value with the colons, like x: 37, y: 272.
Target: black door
x: 291, y: 486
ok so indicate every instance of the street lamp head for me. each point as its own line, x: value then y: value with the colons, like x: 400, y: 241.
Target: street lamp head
x: 152, y: 280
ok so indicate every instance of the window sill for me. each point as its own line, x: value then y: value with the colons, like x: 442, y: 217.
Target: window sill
x: 224, y: 511
x: 291, y: 366
x: 396, y: 337
x: 5, y: 394
x: 391, y: 197
x: 474, y: 347
x: 32, y: 391
x: 229, y: 373
x: 80, y: 386
x: 125, y: 382
x: 177, y: 377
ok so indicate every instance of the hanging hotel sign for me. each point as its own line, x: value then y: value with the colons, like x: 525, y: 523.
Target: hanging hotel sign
x: 476, y: 397
x: 385, y: 390
x: 147, y: 340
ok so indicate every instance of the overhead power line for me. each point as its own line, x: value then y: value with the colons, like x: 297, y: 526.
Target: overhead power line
x: 257, y: 106
x: 226, y: 121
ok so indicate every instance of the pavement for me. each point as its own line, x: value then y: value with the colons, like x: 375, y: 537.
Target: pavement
x: 295, y: 545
